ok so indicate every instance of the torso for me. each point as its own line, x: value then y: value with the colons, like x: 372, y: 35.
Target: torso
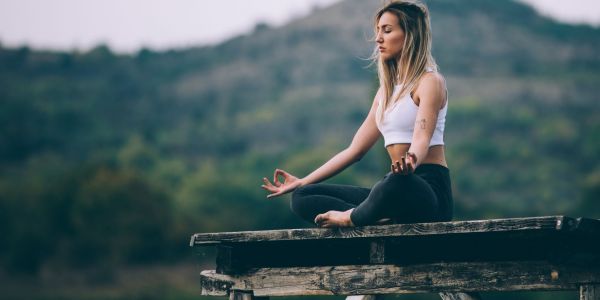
x: 435, y: 155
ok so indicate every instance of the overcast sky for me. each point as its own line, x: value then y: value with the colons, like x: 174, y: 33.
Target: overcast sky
x: 127, y: 25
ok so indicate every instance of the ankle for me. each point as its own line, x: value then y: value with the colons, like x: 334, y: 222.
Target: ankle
x: 349, y: 219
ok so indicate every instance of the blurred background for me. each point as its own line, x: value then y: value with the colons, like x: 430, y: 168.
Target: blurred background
x: 127, y: 127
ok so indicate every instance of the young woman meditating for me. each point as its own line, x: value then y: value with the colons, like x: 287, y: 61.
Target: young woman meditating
x: 409, y: 111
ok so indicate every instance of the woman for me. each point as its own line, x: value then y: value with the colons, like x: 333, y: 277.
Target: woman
x: 409, y: 111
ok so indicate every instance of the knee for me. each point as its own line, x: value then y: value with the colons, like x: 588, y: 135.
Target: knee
x: 396, y: 183
x: 397, y: 177
x: 299, y: 198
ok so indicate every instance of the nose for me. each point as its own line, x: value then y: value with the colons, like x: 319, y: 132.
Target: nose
x: 379, y: 38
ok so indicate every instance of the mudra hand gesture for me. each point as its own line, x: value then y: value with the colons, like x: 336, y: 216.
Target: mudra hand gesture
x: 406, y: 165
x: 278, y: 188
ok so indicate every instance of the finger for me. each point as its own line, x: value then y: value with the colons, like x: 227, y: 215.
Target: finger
x: 275, y: 178
x: 265, y: 187
x: 398, y: 169
x: 274, y: 194
x: 402, y: 165
x: 267, y: 182
x: 392, y: 168
x: 282, y: 173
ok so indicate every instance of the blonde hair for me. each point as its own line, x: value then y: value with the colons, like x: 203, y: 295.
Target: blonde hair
x: 415, y: 58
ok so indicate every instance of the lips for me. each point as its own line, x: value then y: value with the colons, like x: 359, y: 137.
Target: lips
x: 381, y: 48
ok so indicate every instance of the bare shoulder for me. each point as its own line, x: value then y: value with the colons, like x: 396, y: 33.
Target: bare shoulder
x: 431, y: 88
x: 432, y: 81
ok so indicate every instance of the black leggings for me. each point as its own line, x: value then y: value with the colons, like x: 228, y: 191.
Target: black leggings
x: 423, y: 196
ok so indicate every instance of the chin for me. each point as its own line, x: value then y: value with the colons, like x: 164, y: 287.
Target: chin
x: 387, y: 57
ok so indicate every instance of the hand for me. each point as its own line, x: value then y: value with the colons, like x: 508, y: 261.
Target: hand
x: 277, y: 188
x: 407, y: 165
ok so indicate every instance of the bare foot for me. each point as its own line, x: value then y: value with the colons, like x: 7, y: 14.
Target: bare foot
x: 334, y: 218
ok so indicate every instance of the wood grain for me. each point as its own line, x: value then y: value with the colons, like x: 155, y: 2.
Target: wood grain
x: 392, y: 279
x: 547, y: 223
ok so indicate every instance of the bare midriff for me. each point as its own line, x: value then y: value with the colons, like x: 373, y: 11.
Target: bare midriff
x: 434, y: 156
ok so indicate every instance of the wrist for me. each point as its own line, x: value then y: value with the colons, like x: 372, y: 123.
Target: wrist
x: 416, y: 158
x: 302, y: 182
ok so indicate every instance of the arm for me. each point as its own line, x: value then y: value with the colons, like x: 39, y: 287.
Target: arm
x: 363, y: 140
x: 366, y: 136
x: 431, y: 93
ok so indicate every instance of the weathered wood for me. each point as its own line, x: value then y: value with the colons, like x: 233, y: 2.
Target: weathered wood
x: 362, y: 297
x: 244, y: 295
x: 444, y: 296
x: 589, y: 292
x: 392, y: 279
x: 499, y: 246
x: 240, y: 295
x: 377, y: 252
x: 454, y: 259
x: 549, y: 223
x: 460, y: 296
x: 238, y: 257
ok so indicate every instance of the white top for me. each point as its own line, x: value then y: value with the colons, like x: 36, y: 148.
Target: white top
x: 399, y: 121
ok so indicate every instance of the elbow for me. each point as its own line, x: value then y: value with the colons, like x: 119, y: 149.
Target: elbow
x: 359, y: 157
x: 356, y: 155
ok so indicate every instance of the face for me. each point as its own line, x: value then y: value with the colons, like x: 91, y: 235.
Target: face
x: 390, y: 37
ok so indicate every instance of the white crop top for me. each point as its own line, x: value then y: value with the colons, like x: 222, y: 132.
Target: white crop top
x: 399, y: 121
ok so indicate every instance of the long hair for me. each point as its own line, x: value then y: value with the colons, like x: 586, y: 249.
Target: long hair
x: 415, y: 57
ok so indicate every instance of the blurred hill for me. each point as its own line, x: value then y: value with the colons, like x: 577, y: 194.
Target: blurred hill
x: 111, y: 159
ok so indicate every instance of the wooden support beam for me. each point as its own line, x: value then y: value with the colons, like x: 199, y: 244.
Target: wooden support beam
x: 362, y: 297
x: 589, y: 292
x: 377, y: 252
x: 393, y: 279
x: 240, y: 295
x: 244, y: 295
x: 460, y: 296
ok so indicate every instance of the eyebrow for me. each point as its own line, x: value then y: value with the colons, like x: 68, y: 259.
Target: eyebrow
x: 384, y: 25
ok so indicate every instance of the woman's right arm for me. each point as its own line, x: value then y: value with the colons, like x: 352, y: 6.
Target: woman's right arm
x: 366, y: 136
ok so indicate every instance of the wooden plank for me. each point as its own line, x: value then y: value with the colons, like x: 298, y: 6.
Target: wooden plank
x: 589, y: 292
x: 499, y: 246
x: 393, y: 279
x: 460, y: 296
x: 548, y: 223
x: 239, y: 257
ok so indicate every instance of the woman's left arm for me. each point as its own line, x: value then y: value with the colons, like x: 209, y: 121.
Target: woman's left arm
x: 431, y: 93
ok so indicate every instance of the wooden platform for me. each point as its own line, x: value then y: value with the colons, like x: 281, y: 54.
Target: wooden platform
x: 540, y: 253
